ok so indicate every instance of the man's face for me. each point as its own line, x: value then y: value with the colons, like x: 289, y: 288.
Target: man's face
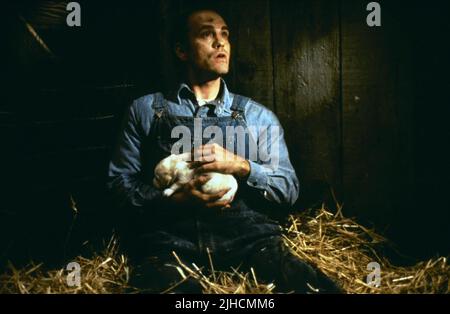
x: 209, y: 47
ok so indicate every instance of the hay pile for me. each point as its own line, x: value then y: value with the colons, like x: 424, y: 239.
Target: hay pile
x: 342, y: 249
x: 338, y: 246
x: 107, y: 272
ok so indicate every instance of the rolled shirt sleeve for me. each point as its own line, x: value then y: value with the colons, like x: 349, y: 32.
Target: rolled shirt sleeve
x: 277, y: 181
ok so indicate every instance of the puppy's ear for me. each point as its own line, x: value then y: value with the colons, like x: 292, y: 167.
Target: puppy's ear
x: 156, y: 183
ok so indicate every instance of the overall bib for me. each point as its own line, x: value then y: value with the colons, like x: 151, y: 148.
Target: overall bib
x: 230, y: 232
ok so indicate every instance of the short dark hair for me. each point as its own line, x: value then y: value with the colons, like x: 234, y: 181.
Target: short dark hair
x: 180, y: 27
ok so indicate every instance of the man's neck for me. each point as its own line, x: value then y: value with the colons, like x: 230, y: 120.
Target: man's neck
x: 208, y: 89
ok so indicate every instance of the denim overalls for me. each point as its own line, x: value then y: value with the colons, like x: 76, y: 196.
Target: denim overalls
x: 230, y: 232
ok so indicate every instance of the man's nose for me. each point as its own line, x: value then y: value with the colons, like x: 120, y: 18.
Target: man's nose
x: 219, y: 42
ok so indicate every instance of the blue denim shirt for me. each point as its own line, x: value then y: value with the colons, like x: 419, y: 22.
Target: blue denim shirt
x: 276, y: 184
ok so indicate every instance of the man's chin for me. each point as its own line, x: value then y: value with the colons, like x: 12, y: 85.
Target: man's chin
x: 212, y: 74
x: 221, y: 71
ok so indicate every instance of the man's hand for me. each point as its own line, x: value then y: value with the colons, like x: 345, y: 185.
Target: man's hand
x: 191, y: 193
x: 214, y: 158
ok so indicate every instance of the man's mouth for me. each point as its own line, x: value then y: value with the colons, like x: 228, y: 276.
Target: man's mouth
x: 221, y: 56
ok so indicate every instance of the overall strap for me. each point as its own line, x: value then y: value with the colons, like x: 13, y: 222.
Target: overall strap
x: 239, y: 103
x: 159, y: 103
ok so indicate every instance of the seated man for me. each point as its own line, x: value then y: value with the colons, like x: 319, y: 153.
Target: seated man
x: 191, y: 222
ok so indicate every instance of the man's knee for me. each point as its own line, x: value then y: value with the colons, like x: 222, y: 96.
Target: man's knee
x: 274, y: 262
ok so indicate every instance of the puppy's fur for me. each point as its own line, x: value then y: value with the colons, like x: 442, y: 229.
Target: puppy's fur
x: 173, y: 172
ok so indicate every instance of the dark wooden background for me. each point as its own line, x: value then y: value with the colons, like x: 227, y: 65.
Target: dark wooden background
x: 364, y: 110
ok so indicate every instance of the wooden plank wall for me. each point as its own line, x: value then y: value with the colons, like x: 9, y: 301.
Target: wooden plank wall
x: 377, y: 113
x: 337, y: 86
x: 306, y: 87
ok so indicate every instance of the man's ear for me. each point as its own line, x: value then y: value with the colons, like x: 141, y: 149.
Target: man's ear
x: 181, y: 52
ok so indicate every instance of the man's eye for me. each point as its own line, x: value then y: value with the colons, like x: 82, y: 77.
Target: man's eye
x: 206, y: 34
x: 225, y: 34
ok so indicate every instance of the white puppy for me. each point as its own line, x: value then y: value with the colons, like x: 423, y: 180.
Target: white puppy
x: 173, y: 172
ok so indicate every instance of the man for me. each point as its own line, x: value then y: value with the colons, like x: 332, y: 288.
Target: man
x: 190, y: 222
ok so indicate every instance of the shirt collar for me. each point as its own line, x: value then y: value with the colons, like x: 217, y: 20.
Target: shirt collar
x: 222, y: 102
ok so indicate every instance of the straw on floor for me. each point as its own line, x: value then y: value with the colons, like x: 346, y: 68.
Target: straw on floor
x: 338, y: 246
